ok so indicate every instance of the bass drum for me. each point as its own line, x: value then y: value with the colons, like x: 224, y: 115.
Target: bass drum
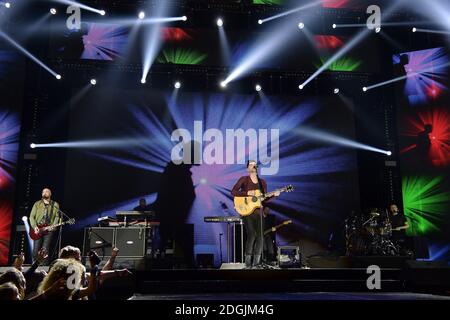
x: 358, y: 244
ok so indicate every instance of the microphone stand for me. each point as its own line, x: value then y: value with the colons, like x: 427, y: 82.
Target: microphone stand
x: 261, y: 218
x: 61, y: 217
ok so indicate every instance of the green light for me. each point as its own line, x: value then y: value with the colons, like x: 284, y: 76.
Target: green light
x: 425, y: 204
x: 344, y: 64
x: 181, y: 56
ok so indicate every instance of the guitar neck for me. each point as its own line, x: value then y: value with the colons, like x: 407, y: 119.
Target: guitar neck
x: 57, y: 225
x: 271, y: 193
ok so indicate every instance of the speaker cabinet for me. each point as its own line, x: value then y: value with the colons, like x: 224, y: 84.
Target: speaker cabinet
x: 99, y: 239
x: 131, y: 242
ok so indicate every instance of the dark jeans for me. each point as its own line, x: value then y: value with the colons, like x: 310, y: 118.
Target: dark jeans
x: 44, y: 242
x: 254, y: 243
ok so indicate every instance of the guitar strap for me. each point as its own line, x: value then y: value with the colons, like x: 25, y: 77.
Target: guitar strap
x: 52, y: 204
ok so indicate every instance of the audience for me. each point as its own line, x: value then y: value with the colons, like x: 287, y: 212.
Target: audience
x: 66, y: 279
x: 16, y: 278
x: 8, y: 291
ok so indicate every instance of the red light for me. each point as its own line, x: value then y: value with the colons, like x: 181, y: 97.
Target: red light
x: 328, y: 42
x: 439, y: 119
x: 335, y: 3
x: 433, y: 91
x: 174, y: 34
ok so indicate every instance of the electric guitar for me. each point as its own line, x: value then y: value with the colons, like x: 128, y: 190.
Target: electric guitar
x: 46, y: 228
x: 273, y: 229
x: 245, y: 206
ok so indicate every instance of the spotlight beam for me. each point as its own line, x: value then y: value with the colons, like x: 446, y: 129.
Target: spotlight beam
x: 434, y: 10
x: 27, y: 53
x: 97, y: 144
x: 346, y: 48
x: 408, y: 75
x: 283, y: 14
x: 349, y: 45
x: 432, y: 31
x: 162, y: 20
x: 82, y: 6
x: 384, y: 24
x: 152, y: 42
x: 225, y: 46
x: 264, y: 48
x: 321, y: 136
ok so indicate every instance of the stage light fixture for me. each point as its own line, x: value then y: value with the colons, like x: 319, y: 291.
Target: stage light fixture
x: 301, y: 25
x: 141, y: 15
x: 223, y: 84
x: 414, y: 29
x: 28, y: 54
x: 184, y: 18
x: 7, y: 5
x: 53, y: 11
x: 32, y: 145
x: 177, y: 85
x: 300, y: 87
x: 81, y: 6
x: 93, y: 82
x: 389, y: 153
x: 143, y: 81
x: 364, y: 89
x: 377, y: 30
x: 219, y: 22
x: 334, y: 25
x: 292, y: 11
x: 258, y: 88
x: 323, y: 136
x: 24, y: 218
x: 58, y: 76
x: 336, y: 90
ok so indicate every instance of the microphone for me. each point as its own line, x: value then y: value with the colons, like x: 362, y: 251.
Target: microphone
x: 223, y: 205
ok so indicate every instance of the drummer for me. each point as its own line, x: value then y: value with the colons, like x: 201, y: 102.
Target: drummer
x: 398, y: 222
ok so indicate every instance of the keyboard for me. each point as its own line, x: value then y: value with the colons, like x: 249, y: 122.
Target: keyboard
x: 223, y: 219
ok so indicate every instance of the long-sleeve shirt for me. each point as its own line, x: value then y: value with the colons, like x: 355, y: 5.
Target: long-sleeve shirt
x: 245, y: 184
x: 38, y: 213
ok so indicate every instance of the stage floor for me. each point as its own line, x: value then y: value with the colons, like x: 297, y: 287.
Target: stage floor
x: 294, y: 296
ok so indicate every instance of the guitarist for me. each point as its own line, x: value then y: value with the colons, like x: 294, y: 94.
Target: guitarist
x: 246, y: 186
x: 44, y: 212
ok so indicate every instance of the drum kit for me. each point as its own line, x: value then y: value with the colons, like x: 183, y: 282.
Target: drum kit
x: 370, y: 235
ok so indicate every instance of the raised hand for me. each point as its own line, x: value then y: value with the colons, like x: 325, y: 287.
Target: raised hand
x: 114, y: 252
x: 18, y: 261
x: 94, y: 259
x: 42, y: 255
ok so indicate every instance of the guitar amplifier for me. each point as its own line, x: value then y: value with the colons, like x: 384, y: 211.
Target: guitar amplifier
x: 289, y: 257
x: 99, y: 239
x: 131, y: 242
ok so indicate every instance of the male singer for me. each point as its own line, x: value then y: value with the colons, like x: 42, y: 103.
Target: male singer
x: 44, y: 212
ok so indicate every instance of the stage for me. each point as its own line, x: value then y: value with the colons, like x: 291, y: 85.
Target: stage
x: 400, y: 280
x: 180, y: 144
x: 302, y: 296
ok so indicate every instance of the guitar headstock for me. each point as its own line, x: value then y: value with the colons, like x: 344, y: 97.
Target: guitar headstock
x: 289, y: 188
x: 287, y: 222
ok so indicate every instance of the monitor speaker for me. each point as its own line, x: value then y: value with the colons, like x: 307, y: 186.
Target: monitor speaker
x: 131, y: 242
x: 99, y: 239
